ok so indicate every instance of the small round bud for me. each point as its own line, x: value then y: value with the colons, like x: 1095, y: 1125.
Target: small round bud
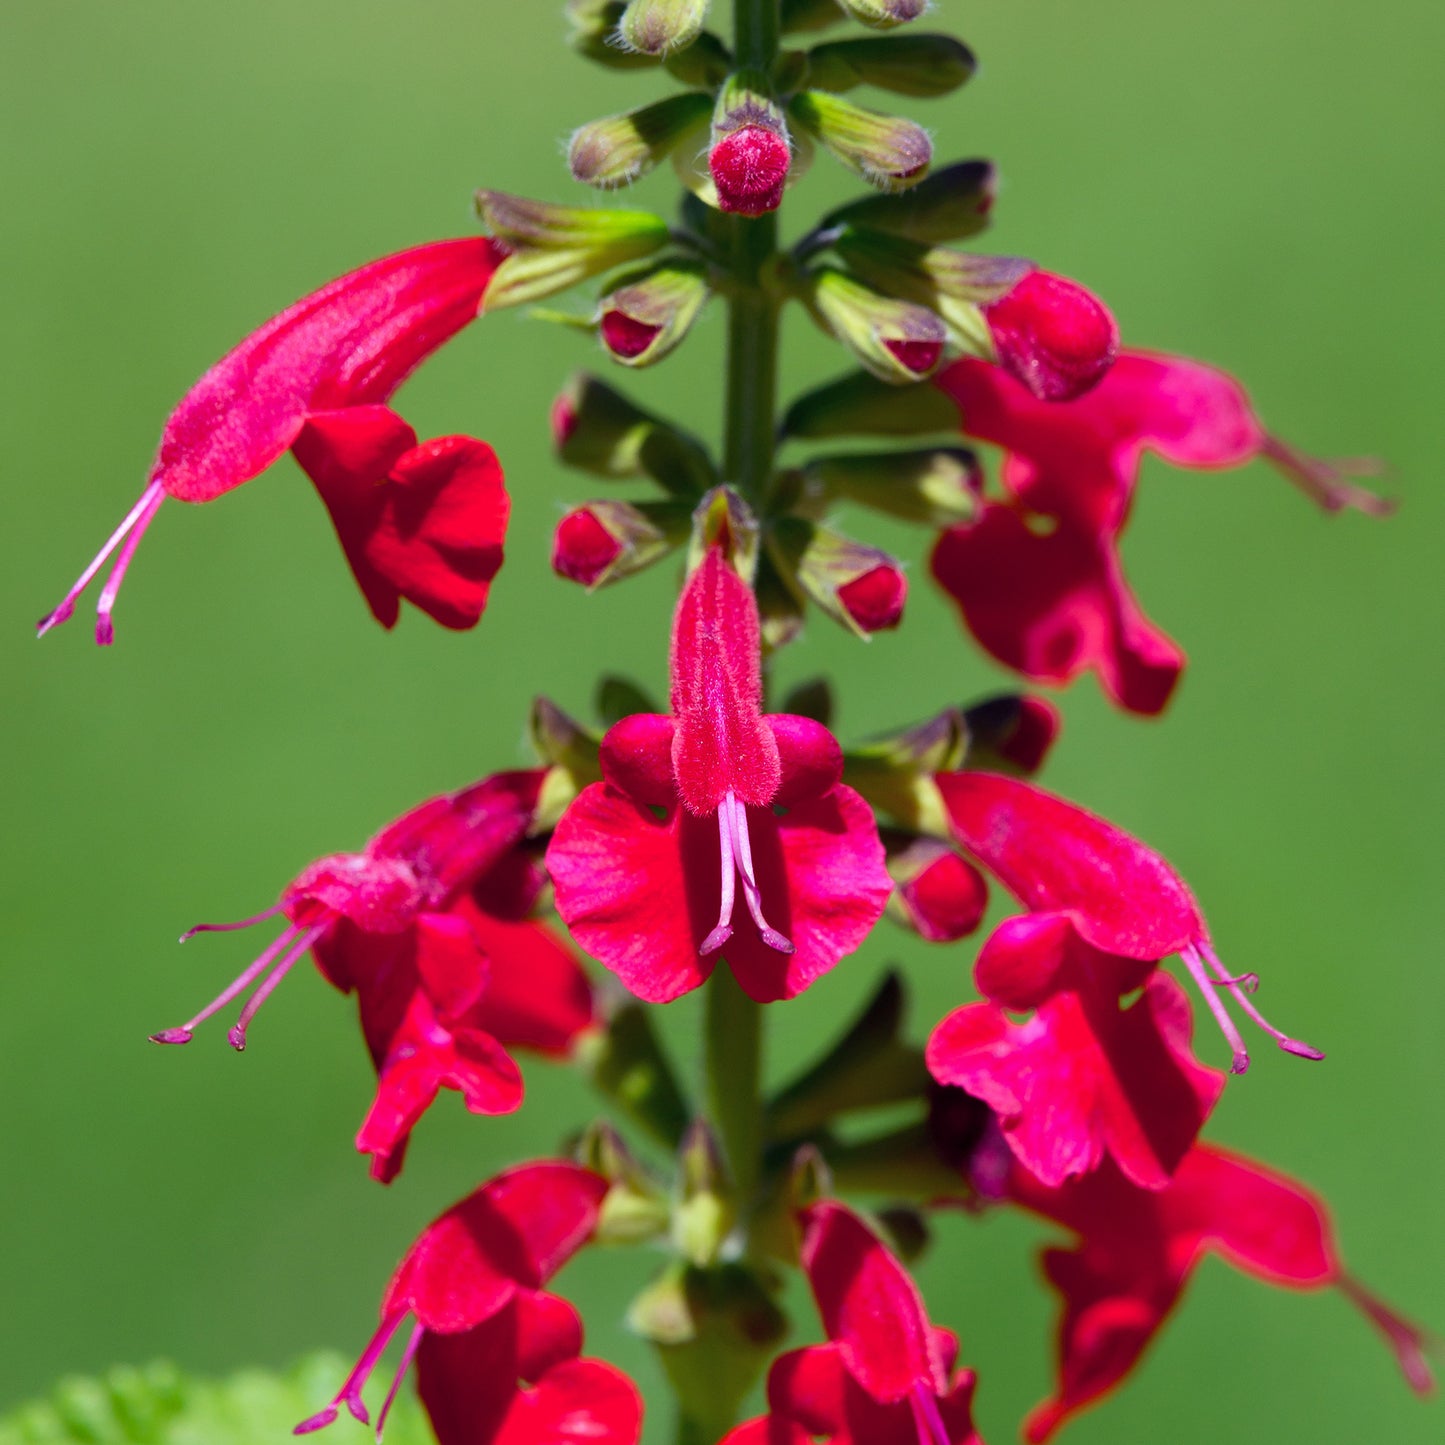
x: 582, y: 548
x: 875, y: 599
x: 625, y: 336
x: 1053, y: 335
x: 750, y: 168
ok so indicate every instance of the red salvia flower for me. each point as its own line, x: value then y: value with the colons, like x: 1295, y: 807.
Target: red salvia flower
x: 424, y: 522
x: 1051, y: 600
x: 497, y: 1357
x: 886, y: 1375
x: 428, y: 928
x: 716, y: 801
x: 1052, y: 336
x: 1103, y: 907
x: 1136, y: 1249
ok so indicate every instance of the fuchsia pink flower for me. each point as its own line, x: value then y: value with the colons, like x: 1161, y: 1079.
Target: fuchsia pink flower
x: 886, y: 1375
x: 1136, y: 1248
x: 749, y: 167
x: 428, y: 928
x: 1038, y: 577
x: 1082, y: 1078
x: 714, y: 802
x: 497, y: 1358
x: 424, y: 522
x: 1053, y: 336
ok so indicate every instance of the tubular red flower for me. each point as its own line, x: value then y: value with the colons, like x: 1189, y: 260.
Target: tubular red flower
x: 713, y: 807
x: 497, y: 1357
x: 749, y: 167
x: 1039, y: 581
x: 887, y: 1375
x: 1136, y: 1248
x: 1053, y: 336
x: 428, y: 928
x: 1103, y: 907
x: 419, y: 522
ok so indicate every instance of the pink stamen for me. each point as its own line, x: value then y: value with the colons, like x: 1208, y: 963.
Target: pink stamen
x: 231, y: 927
x: 1297, y: 1047
x: 136, y: 521
x: 407, y: 1356
x: 724, y: 929
x: 1249, y: 982
x: 290, y: 938
x: 236, y: 1036
x: 1195, y: 964
x: 927, y: 1418
x: 350, y: 1392
x: 737, y: 824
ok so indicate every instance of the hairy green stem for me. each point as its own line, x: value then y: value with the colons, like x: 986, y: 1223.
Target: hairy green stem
x: 733, y: 1056
x: 752, y: 363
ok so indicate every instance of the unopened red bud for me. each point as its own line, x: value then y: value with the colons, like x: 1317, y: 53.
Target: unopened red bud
x: 1011, y: 733
x: 625, y: 336
x: 1053, y: 335
x: 657, y: 27
x: 940, y: 895
x: 919, y: 357
x: 875, y: 600
x: 649, y: 312
x: 582, y: 548
x: 750, y: 168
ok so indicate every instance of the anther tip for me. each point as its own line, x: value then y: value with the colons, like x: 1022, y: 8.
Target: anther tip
x: 104, y: 631
x: 1240, y: 1063
x: 236, y: 1037
x: 54, y: 619
x: 715, y: 940
x: 1301, y: 1050
x: 172, y: 1036
x: 358, y: 1409
x: 775, y: 940
x: 318, y: 1421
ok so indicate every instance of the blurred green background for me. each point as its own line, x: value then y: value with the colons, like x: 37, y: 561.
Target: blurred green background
x: 1255, y: 184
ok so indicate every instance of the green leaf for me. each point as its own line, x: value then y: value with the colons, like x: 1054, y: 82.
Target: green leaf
x: 157, y: 1405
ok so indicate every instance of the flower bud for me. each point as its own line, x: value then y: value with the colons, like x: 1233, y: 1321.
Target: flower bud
x: 617, y: 149
x: 571, y: 754
x: 723, y: 519
x: 1011, y: 733
x: 1053, y: 335
x: 635, y: 1209
x: 647, y: 316
x: 861, y: 587
x: 656, y: 27
x: 940, y: 895
x: 898, y: 341
x: 923, y: 66
x: 937, y: 486
x: 598, y: 430
x: 887, y: 151
x: 895, y: 773
x: 861, y: 405
x: 749, y: 156
x: 884, y: 14
x: 605, y: 541
x: 593, y: 34
x: 554, y: 247
x: 947, y: 205
x: 705, y: 1211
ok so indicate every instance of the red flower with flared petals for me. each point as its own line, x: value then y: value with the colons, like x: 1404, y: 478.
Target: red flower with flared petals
x: 1136, y: 1249
x: 1084, y: 1078
x: 422, y: 522
x: 1039, y: 581
x: 497, y: 1357
x: 886, y: 1376
x: 714, y: 802
x: 1103, y: 907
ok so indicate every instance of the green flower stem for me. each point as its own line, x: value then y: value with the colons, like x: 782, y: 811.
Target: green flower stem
x: 752, y: 363
x: 733, y: 1056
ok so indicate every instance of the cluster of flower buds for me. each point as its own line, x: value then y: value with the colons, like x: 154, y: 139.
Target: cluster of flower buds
x: 729, y: 844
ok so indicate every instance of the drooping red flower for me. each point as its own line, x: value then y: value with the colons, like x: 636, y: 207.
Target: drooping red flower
x: 1038, y: 577
x: 711, y: 802
x: 424, y: 522
x: 497, y: 1357
x: 1103, y: 908
x: 1084, y: 1078
x: 886, y: 1375
x: 427, y: 926
x: 1136, y: 1248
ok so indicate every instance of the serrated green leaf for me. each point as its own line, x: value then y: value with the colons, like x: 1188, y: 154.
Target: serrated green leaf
x: 157, y: 1405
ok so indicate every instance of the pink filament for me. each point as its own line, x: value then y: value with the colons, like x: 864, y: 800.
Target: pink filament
x: 130, y: 531
x: 1195, y: 964
x: 350, y: 1392
x: 1241, y: 996
x: 231, y: 927
x: 927, y: 1418
x: 407, y: 1356
x: 736, y: 853
x: 237, y: 1033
